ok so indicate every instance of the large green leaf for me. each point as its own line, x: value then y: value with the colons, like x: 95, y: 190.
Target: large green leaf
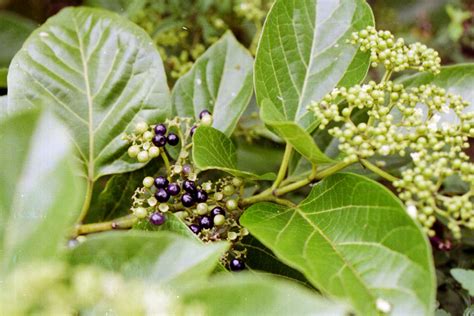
x: 157, y: 256
x: 352, y: 239
x: 14, y: 30
x: 251, y: 294
x: 100, y: 74
x: 466, y: 278
x: 213, y: 150
x: 39, y: 192
x: 457, y: 79
x: 293, y: 133
x: 220, y: 81
x: 303, y: 53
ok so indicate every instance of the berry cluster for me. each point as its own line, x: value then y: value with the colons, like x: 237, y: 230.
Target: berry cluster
x: 426, y: 123
x: 209, y: 209
x: 394, y: 54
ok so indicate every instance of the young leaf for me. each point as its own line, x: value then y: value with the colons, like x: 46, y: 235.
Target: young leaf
x: 352, y: 239
x: 100, y: 74
x: 14, y: 30
x: 303, y: 53
x: 219, y: 81
x: 466, y: 278
x: 213, y: 150
x: 156, y: 256
x: 254, y: 294
x: 293, y: 133
x: 39, y: 192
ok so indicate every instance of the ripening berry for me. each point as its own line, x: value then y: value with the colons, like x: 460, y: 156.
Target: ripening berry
x: 193, y: 130
x: 143, y: 156
x: 173, y: 189
x: 187, y: 200
x: 140, y: 212
x: 141, y: 127
x: 236, y: 265
x: 160, y: 129
x: 195, y: 228
x: 157, y: 219
x: 206, y: 120
x: 133, y: 151
x: 173, y: 139
x: 204, y: 112
x: 189, y: 186
x: 161, y: 195
x: 159, y: 140
x: 205, y: 222
x: 219, y: 220
x: 201, y: 196
x: 217, y: 211
x: 161, y: 182
x: 148, y: 182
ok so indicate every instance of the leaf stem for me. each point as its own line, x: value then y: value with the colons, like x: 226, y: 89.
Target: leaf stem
x: 165, y: 160
x: 87, y: 201
x: 377, y: 170
x: 125, y: 222
x: 283, y: 167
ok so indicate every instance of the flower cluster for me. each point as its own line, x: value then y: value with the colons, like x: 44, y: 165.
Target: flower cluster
x: 394, y: 54
x: 209, y: 208
x: 425, y: 123
x: 54, y: 288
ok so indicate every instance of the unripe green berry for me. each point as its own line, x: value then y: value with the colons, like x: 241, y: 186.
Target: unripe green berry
x: 147, y: 135
x: 133, y: 151
x: 163, y: 207
x: 141, y: 127
x: 148, y: 182
x: 202, y: 209
x: 206, y: 120
x: 154, y: 151
x: 140, y: 212
x: 219, y: 220
x: 231, y: 204
x: 228, y: 190
x: 237, y: 182
x: 143, y: 156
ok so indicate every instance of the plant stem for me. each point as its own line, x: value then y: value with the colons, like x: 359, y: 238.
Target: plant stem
x: 87, y: 201
x: 377, y: 170
x: 165, y: 159
x: 283, y: 167
x: 267, y: 197
x: 118, y: 223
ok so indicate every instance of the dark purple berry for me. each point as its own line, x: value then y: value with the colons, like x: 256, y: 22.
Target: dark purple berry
x: 173, y: 189
x: 187, y: 200
x: 189, y: 186
x: 157, y: 219
x: 206, y: 222
x: 195, y: 228
x: 162, y: 196
x: 193, y: 129
x: 187, y: 169
x: 204, y: 112
x: 160, y: 129
x: 236, y: 265
x: 173, y: 139
x: 217, y: 211
x: 159, y: 140
x: 201, y: 196
x: 161, y: 182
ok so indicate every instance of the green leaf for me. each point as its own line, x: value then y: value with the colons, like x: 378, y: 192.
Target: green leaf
x: 303, y: 53
x: 352, y: 239
x: 457, y: 79
x: 39, y: 192
x: 213, y: 150
x: 162, y: 257
x: 14, y: 30
x: 128, y: 8
x: 466, y: 278
x: 254, y: 294
x: 100, y: 74
x: 3, y: 77
x: 220, y: 81
x: 291, y: 132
